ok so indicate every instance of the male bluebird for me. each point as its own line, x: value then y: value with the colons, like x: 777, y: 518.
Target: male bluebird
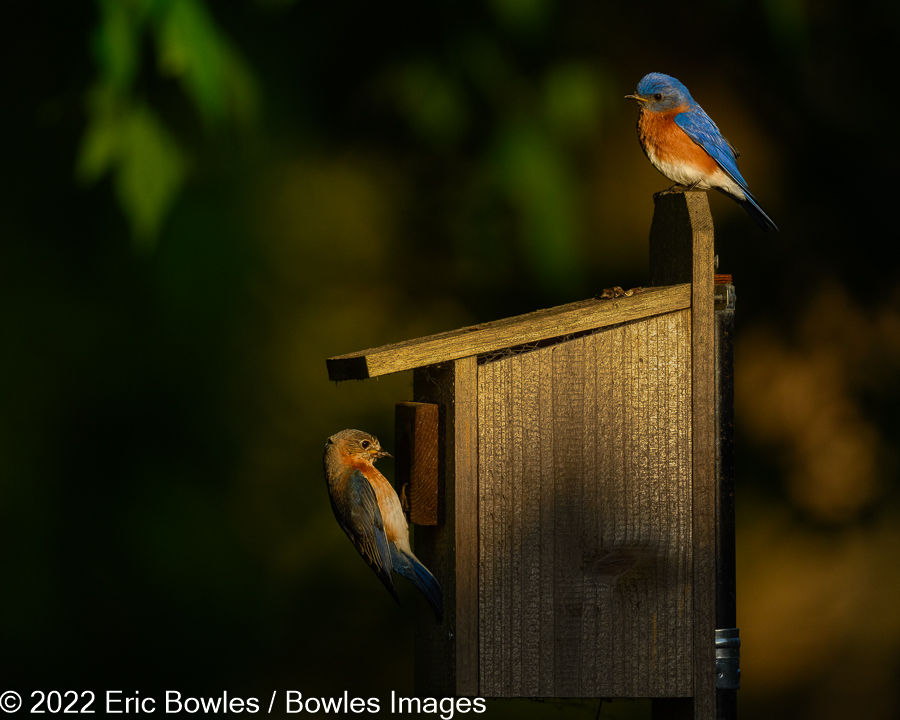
x: 369, y: 511
x: 685, y: 145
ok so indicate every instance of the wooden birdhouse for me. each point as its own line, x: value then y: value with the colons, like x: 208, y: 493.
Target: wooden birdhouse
x: 569, y: 474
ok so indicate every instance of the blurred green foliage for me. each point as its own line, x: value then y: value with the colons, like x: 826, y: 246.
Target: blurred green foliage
x: 536, y: 125
x: 127, y: 138
x: 125, y: 135
x: 527, y: 141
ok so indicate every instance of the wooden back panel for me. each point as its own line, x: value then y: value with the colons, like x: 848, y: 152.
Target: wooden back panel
x: 585, y: 553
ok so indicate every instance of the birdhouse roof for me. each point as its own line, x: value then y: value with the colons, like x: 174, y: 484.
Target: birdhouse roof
x: 499, y: 335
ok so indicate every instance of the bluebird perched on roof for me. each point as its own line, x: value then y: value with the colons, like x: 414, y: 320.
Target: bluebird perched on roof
x: 685, y: 145
x: 369, y: 511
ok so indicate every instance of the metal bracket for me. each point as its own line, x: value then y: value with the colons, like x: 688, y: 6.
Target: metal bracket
x: 728, y: 659
x: 724, y: 297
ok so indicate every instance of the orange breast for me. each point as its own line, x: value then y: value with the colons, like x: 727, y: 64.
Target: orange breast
x: 391, y: 513
x: 662, y: 138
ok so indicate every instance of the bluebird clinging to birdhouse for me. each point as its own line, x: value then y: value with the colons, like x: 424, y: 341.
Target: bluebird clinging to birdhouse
x: 685, y: 145
x: 369, y: 511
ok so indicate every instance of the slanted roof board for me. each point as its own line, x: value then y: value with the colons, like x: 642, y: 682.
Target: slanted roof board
x: 508, y: 332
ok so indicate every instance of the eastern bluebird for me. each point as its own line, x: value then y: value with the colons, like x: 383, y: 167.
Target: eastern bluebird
x: 685, y: 145
x: 369, y: 511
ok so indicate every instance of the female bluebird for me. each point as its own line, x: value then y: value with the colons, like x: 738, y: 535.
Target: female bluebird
x: 685, y: 145
x: 369, y: 511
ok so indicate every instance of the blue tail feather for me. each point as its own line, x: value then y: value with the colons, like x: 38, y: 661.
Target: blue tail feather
x: 757, y: 213
x: 414, y: 571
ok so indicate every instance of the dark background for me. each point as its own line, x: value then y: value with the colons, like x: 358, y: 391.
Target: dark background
x: 197, y: 209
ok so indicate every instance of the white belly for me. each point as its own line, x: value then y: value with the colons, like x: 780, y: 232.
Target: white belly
x: 686, y: 175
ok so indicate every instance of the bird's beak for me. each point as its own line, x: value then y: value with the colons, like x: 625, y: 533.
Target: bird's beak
x: 635, y: 97
x: 383, y: 453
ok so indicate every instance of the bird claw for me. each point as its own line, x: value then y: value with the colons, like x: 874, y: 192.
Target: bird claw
x: 404, y: 499
x: 676, y: 189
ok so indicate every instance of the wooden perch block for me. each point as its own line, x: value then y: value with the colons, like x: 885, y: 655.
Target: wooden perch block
x: 682, y: 250
x: 416, y: 438
x: 682, y: 224
x: 502, y: 334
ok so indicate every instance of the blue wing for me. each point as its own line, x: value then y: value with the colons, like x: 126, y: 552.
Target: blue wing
x: 357, y: 511
x: 700, y: 128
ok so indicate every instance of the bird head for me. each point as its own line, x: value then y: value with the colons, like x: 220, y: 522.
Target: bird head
x: 657, y: 93
x: 358, y: 444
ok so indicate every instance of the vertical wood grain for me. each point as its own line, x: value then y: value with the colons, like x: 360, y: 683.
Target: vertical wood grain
x: 447, y: 654
x: 590, y: 508
x: 532, y: 605
x: 585, y: 515
x: 568, y: 479
x: 682, y: 456
x: 703, y: 425
x: 682, y: 250
x: 546, y: 433
x: 416, y: 445
x: 616, y: 517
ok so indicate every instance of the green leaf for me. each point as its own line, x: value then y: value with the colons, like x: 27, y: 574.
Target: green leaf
x: 117, y: 41
x: 150, y: 172
x: 128, y: 140
x: 102, y: 137
x: 124, y: 136
x: 192, y: 49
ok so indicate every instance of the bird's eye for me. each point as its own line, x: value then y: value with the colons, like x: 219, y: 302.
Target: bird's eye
x: 657, y: 97
x: 365, y: 444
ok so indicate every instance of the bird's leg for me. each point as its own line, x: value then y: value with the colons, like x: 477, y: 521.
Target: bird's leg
x: 677, y: 188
